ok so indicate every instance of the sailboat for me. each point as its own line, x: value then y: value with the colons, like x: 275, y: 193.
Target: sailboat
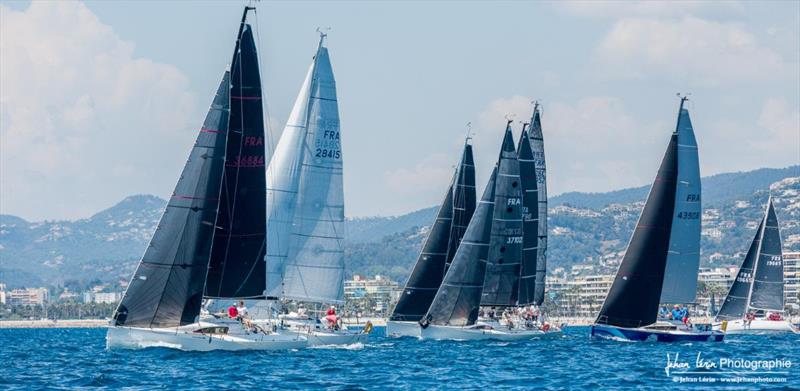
x: 486, y: 267
x: 210, y: 241
x: 659, y: 245
x: 758, y: 288
x: 437, y: 253
x: 305, y: 208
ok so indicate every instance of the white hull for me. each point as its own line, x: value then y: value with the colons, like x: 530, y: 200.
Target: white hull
x: 475, y: 333
x: 320, y: 336
x: 398, y: 329
x: 184, y: 338
x: 758, y: 326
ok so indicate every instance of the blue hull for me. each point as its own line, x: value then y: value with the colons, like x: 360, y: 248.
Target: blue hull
x: 642, y: 334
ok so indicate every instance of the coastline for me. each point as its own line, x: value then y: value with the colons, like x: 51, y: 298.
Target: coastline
x: 53, y: 324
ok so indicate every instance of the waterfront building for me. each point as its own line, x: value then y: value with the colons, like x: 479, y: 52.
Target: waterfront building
x: 580, y: 295
x: 28, y: 296
x: 791, y: 280
x: 371, y: 296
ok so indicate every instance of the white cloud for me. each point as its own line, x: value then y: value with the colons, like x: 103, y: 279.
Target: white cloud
x: 617, y: 9
x: 423, y: 184
x: 84, y: 122
x: 689, y: 49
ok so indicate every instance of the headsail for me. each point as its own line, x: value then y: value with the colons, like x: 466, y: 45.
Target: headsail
x: 767, y: 290
x: 530, y: 220
x: 458, y: 300
x: 167, y: 288
x: 735, y: 304
x: 237, y: 268
x: 441, y: 245
x: 537, y: 145
x: 464, y: 199
x: 314, y: 267
x: 429, y: 270
x: 683, y: 261
x: 501, y: 285
x: 283, y: 182
x: 634, y: 296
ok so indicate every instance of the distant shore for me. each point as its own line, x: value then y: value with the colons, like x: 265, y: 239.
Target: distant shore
x: 52, y: 324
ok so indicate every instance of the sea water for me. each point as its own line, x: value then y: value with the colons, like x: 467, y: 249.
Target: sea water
x: 77, y: 358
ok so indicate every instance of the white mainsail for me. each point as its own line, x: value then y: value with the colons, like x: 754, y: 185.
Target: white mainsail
x: 306, y: 228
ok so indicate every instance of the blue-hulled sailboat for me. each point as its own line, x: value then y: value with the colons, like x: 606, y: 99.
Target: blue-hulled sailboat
x: 661, y: 249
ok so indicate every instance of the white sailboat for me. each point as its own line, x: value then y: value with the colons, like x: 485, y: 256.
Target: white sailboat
x: 305, y: 209
x: 210, y: 240
x: 754, y: 304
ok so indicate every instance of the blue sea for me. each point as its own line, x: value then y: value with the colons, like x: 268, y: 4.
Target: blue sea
x: 77, y: 358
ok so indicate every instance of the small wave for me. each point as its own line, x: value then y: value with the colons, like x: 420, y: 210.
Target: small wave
x: 352, y: 346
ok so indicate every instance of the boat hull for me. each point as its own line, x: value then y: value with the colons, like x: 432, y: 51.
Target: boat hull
x: 319, y: 336
x: 650, y: 335
x: 184, y: 338
x: 758, y: 326
x: 454, y: 333
x: 398, y: 329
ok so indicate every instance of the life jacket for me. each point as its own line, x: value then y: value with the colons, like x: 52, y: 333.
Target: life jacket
x: 233, y: 312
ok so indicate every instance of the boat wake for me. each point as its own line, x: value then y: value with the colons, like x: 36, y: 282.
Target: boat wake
x: 352, y: 346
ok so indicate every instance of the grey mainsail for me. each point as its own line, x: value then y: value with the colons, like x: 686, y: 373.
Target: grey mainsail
x: 501, y: 284
x: 314, y: 267
x: 683, y: 261
x: 537, y: 145
x: 167, y: 288
x: 735, y: 304
x: 767, y: 289
x: 530, y: 220
x: 457, y: 301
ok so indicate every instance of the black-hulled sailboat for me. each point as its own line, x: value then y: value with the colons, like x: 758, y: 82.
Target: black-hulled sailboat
x: 210, y: 242
x: 488, y: 265
x: 631, y: 306
x: 437, y: 253
x: 755, y: 300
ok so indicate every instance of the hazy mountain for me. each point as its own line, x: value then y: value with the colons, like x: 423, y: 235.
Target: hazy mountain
x: 583, y: 228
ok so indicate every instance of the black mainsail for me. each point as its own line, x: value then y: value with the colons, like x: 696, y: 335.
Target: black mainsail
x: 237, y: 268
x: 767, y: 290
x: 458, y: 299
x: 501, y: 284
x: 446, y: 231
x: 464, y: 199
x: 530, y: 220
x: 167, y: 288
x: 735, y: 304
x: 634, y: 296
x: 537, y: 145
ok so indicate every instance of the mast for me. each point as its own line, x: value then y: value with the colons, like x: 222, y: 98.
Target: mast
x: 501, y: 284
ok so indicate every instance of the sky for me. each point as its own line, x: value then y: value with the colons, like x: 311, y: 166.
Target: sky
x: 102, y: 100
